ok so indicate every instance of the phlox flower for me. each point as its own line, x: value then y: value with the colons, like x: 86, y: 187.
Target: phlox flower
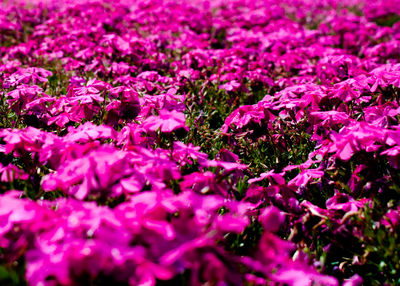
x: 89, y: 132
x: 273, y: 178
x: 187, y: 154
x: 231, y: 86
x: 26, y: 76
x: 305, y: 176
x: 11, y: 172
x: 25, y: 140
x: 356, y: 137
x: 20, y: 97
x: 166, y: 121
x: 104, y: 171
x: 247, y: 114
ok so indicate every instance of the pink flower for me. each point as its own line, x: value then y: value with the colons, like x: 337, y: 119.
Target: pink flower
x: 272, y: 219
x: 247, y: 114
x: 392, y: 218
x: 354, y: 280
x: 301, y: 276
x: 166, y: 121
x: 344, y: 202
x: 89, y: 132
x: 393, y: 155
x: 204, y: 183
x: 27, y: 75
x: 231, y: 86
x: 104, y: 171
x: 187, y: 154
x: 25, y: 140
x: 149, y: 76
x: 329, y: 118
x: 273, y: 178
x: 305, y: 176
x: 358, y: 136
x: 11, y: 173
x: 20, y: 97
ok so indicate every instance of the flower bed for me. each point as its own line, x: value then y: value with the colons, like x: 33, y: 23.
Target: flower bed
x: 199, y: 142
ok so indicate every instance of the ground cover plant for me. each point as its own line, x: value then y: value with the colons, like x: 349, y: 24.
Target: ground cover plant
x: 200, y: 142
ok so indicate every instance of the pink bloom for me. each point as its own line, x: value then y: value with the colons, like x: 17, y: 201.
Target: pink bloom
x: 354, y: 280
x: 187, y: 154
x: 25, y: 140
x: 231, y: 86
x: 305, y: 176
x: 392, y: 218
x: 11, y: 173
x: 299, y: 276
x: 329, y: 118
x: 167, y: 121
x: 204, y: 183
x: 90, y: 132
x: 149, y: 75
x: 344, y: 202
x: 273, y: 178
x: 247, y: 114
x: 27, y: 75
x: 271, y: 219
x: 356, y: 137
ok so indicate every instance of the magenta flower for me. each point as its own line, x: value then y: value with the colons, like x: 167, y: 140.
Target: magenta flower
x: 392, y: 218
x: 247, y: 114
x: 355, y: 137
x: 343, y: 202
x: 188, y: 154
x: 304, y: 277
x: 28, y: 75
x: 354, y: 280
x: 231, y: 86
x: 87, y: 175
x: 271, y: 219
x: 89, y: 132
x: 273, y: 178
x: 305, y: 176
x: 203, y: 183
x: 26, y: 140
x: 166, y: 121
x: 329, y: 118
x: 11, y: 172
x: 20, y: 97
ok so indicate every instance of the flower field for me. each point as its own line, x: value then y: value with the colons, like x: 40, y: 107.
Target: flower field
x: 213, y: 143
